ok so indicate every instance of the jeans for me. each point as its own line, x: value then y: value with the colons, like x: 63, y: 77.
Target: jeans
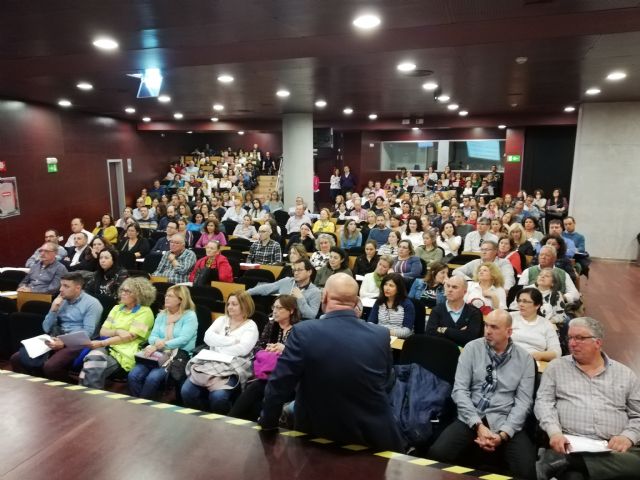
x: 146, y: 382
x: 217, y: 401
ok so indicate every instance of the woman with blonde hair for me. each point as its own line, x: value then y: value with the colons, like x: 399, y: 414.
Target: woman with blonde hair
x: 320, y: 257
x: 233, y: 334
x: 175, y: 328
x: 517, y: 233
x: 324, y: 223
x: 486, y: 291
x: 127, y: 326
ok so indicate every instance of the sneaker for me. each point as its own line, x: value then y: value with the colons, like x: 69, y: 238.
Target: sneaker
x: 550, y: 464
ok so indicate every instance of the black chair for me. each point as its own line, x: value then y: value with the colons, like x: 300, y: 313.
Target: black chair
x: 151, y: 262
x: 463, y: 259
x: 22, y: 326
x: 200, y: 252
x: 229, y: 226
x: 260, y: 275
x: 355, y: 251
x: 240, y: 244
x: 204, y: 322
x: 162, y: 287
x: 155, y: 236
x: 420, y: 319
x: 423, y: 272
x: 107, y: 303
x: 213, y: 305
x: 196, y: 237
x: 139, y: 273
x: 8, y: 305
x: 37, y: 307
x: 235, y: 255
x: 10, y: 279
x: 264, y: 303
x: 438, y: 355
x: 206, y: 292
x: 261, y: 319
x: 281, y: 217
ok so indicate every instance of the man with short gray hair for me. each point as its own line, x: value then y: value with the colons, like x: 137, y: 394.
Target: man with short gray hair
x: 587, y: 394
x: 474, y: 240
x: 265, y: 251
x: 176, y: 264
x: 489, y: 254
x: 547, y: 259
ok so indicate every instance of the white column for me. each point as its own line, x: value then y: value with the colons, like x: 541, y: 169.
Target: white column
x: 604, y: 184
x: 297, y: 149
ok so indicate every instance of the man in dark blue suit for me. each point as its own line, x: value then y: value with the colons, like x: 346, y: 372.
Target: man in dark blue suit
x: 343, y: 368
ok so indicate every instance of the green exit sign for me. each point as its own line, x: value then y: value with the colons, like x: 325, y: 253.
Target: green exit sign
x: 52, y: 168
x: 513, y: 158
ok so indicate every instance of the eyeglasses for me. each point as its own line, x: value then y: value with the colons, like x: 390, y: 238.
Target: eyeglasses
x: 126, y: 290
x: 489, y: 377
x: 578, y: 338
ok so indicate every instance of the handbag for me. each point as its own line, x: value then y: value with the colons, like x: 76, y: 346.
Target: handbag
x: 264, y: 364
x: 177, y: 365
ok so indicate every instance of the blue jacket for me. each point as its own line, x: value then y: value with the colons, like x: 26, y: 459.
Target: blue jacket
x: 418, y: 288
x: 409, y: 314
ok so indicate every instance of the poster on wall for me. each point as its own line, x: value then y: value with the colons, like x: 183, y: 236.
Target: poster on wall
x: 9, y: 206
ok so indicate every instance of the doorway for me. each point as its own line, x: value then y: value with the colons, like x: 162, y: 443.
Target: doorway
x: 115, y: 175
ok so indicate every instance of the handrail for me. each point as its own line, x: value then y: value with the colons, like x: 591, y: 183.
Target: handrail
x: 279, y: 183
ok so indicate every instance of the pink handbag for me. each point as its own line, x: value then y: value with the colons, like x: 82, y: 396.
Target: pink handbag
x: 264, y: 364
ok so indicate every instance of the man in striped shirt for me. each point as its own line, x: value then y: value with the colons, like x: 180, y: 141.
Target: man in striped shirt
x: 265, y: 251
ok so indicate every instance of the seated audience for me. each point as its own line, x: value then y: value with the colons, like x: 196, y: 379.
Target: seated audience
x: 50, y: 236
x: 77, y: 226
x: 486, y: 291
x: 162, y: 244
x: 488, y: 253
x: 220, y: 268
x: 531, y: 232
x: 177, y: 263
x: 430, y: 290
x: 233, y: 334
x: 265, y: 251
x: 235, y: 213
x: 246, y: 229
x: 106, y: 230
x: 532, y: 331
x: 323, y: 245
x: 211, y: 231
x: 429, y: 251
x: 547, y: 259
x: 300, y: 286
x: 371, y: 283
x: 381, y: 232
x: 71, y: 311
x: 257, y: 212
x: 475, y: 239
x: 324, y: 223
x: 351, y: 236
x: 493, y: 393
x: 449, y: 240
x: 454, y: 319
x: 413, y: 232
x: 174, y: 329
x: 127, y: 326
x: 393, y: 310
x: 76, y: 254
x: 182, y: 230
x: 562, y: 261
x: 588, y: 394
x: 108, y: 277
x: 196, y: 224
x: 146, y: 220
x: 133, y: 246
x: 298, y: 219
x: 366, y: 263
x: 296, y: 251
x: 126, y: 218
x: 273, y: 339
x: 338, y: 263
x: 407, y: 264
x: 274, y: 204
x: 391, y: 247
x: 45, y: 273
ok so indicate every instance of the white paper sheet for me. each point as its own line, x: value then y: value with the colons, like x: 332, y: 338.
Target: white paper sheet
x: 584, y: 444
x: 207, y: 354
x: 35, y: 346
x: 75, y: 339
x: 8, y: 293
x: 368, y: 302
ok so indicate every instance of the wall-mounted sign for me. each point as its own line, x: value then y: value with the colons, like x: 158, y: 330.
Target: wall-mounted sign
x: 52, y: 165
x: 513, y: 158
x: 3, y: 166
x: 9, y: 205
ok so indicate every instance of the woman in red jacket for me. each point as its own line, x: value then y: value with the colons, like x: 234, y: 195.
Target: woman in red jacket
x: 215, y: 261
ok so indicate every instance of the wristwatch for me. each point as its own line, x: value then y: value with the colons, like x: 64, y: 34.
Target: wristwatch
x: 504, y: 436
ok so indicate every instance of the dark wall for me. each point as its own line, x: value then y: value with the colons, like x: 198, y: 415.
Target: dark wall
x: 81, y: 143
x: 267, y: 141
x: 548, y: 158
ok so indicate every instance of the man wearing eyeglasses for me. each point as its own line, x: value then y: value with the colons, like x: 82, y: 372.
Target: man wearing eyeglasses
x: 176, y: 264
x: 49, y: 236
x: 474, y: 240
x: 588, y: 394
x: 265, y: 251
x: 44, y: 275
x: 300, y: 286
x: 488, y: 254
x: 493, y: 392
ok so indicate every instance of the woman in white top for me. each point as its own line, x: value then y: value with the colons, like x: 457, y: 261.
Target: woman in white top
x: 370, y: 287
x: 413, y: 232
x: 232, y: 334
x: 246, y: 229
x: 320, y: 257
x: 486, y: 291
x: 334, y: 184
x: 448, y: 240
x: 531, y: 331
x: 391, y: 247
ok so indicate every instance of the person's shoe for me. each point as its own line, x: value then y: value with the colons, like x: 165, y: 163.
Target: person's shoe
x: 550, y: 464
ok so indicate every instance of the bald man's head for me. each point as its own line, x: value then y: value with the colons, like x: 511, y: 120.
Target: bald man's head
x: 340, y: 293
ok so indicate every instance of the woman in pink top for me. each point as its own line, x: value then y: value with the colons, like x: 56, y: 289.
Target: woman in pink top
x: 209, y: 233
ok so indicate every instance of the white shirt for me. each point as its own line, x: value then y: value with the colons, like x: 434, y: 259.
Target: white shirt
x: 474, y: 296
x: 71, y: 243
x: 536, y: 336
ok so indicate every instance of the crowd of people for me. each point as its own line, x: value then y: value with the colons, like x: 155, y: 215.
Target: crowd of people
x: 438, y: 241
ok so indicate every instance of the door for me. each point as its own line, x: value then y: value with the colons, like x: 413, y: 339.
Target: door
x: 115, y: 175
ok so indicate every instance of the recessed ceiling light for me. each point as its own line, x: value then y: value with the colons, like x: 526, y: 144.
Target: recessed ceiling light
x: 593, y: 91
x: 453, y: 106
x: 415, y: 129
x: 430, y: 86
x: 443, y: 98
x: 514, y: 104
x: 463, y: 113
x: 502, y: 127
x: 373, y: 116
x: 225, y: 78
x: 570, y: 109
x: 241, y: 132
x: 84, y: 86
x: 321, y: 103
x: 130, y: 110
x: 214, y: 119
x: 63, y: 102
x: 406, y: 67
x: 190, y: 132
x: 105, y: 43
x: 366, y: 22
x: 146, y: 119
x: 178, y: 116
x: 218, y: 107
x: 521, y: 60
x: 618, y: 75
x: 164, y: 98
x: 347, y: 111
x: 283, y: 93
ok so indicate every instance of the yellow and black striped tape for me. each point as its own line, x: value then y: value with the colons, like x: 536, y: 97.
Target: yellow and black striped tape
x: 423, y: 462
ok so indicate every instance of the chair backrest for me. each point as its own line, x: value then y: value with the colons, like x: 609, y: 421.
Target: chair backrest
x: 227, y: 288
x: 420, y: 318
x: 281, y: 217
x: 261, y: 319
x: 36, y: 306
x: 204, y: 322
x: 24, y: 297
x: 139, y: 273
x: 229, y: 226
x: 206, y: 291
x: 200, y: 252
x: 275, y: 269
x: 23, y: 326
x: 240, y: 244
x: 12, y: 276
x: 260, y: 274
x: 151, y: 262
x: 438, y: 355
x: 8, y: 305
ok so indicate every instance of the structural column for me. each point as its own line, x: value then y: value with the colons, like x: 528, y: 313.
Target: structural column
x: 297, y: 149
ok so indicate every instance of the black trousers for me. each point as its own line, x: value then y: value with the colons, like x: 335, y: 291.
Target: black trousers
x: 249, y: 404
x: 519, y: 453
